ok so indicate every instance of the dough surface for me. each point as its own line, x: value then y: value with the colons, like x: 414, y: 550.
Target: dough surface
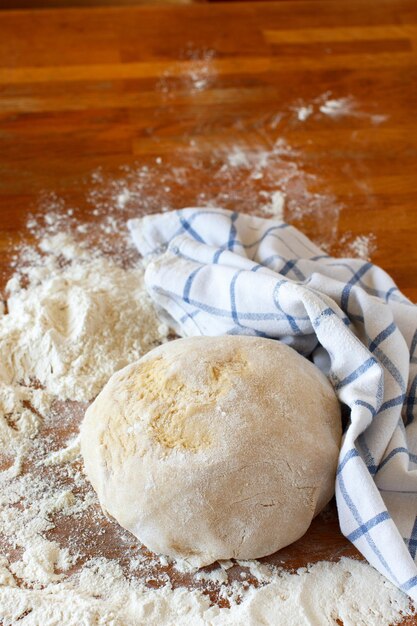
x: 214, y: 447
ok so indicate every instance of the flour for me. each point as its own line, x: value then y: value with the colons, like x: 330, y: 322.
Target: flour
x: 66, y: 454
x: 70, y: 317
x: 40, y: 560
x: 362, y: 247
x: 349, y: 591
x: 276, y: 206
x: 337, y: 107
x: 269, y: 177
x: 27, y: 504
x: 20, y: 409
x: 304, y: 112
x: 73, y: 319
x: 49, y: 518
x: 359, y: 247
x: 326, y: 105
x: 197, y: 72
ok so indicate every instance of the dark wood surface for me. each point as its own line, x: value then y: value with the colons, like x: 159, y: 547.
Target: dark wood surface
x: 83, y: 88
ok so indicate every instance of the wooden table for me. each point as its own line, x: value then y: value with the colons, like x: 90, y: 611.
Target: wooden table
x: 193, y: 87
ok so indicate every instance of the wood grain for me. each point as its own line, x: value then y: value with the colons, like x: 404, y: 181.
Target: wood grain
x: 111, y: 87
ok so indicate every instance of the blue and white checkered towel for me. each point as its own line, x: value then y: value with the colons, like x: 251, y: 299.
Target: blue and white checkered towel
x: 218, y: 272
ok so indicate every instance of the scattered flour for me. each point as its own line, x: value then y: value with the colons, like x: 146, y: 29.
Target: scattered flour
x: 264, y: 176
x: 276, y: 207
x: 334, y: 108
x: 238, y: 158
x: 359, y: 247
x: 71, y: 317
x: 217, y: 575
x: 348, y: 591
x: 337, y: 107
x: 122, y: 198
x: 304, y: 112
x: 70, y: 452
x: 199, y: 74
x: 362, y: 247
x: 259, y: 571
x: 55, y: 332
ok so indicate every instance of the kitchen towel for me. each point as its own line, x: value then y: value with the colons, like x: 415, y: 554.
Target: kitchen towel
x: 215, y: 272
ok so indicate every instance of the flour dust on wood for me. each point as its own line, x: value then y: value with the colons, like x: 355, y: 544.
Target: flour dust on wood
x: 74, y: 311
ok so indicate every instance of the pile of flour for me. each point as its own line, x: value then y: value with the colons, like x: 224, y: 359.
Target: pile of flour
x: 73, y: 319
x: 70, y: 320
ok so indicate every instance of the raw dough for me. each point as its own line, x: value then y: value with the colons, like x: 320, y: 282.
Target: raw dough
x: 214, y: 447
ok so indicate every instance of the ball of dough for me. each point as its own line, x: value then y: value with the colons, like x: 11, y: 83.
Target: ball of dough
x: 213, y: 448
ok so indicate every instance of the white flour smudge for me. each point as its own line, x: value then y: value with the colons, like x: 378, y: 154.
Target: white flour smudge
x: 335, y: 108
x: 267, y: 179
x: 362, y: 247
x: 304, y: 112
x: 200, y: 74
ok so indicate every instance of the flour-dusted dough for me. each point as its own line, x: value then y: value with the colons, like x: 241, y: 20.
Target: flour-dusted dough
x: 214, y: 447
